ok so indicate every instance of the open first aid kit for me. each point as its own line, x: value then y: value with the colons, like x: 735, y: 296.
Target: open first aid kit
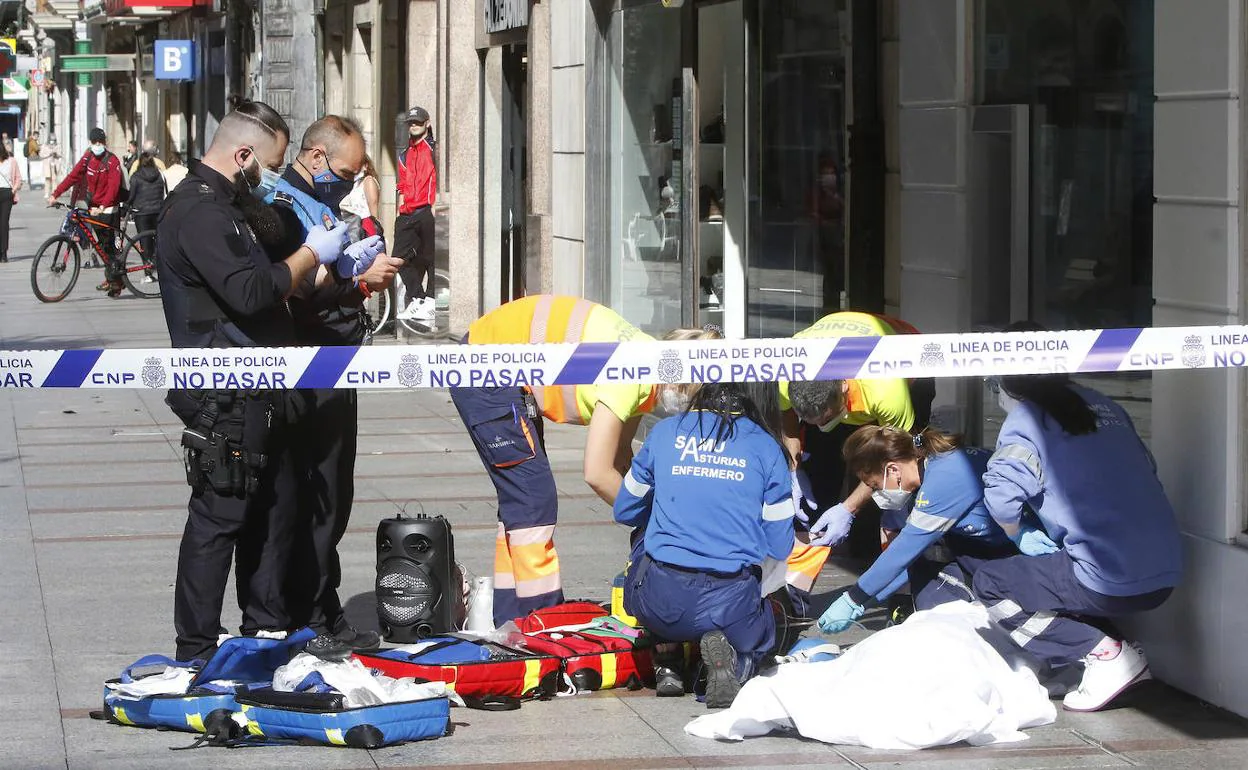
x: 263, y: 690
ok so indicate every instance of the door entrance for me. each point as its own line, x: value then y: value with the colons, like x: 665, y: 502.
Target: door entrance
x: 515, y: 166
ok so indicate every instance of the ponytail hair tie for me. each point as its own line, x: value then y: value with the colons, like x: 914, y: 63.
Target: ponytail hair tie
x: 918, y: 441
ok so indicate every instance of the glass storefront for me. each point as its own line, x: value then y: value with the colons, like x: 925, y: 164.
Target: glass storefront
x: 646, y: 158
x: 741, y: 213
x: 798, y: 199
x: 1083, y: 74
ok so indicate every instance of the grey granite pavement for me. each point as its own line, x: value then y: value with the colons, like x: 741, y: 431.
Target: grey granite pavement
x: 92, y: 504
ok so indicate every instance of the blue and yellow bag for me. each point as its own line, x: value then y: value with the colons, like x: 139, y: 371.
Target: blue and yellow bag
x: 204, y: 707
x: 323, y: 718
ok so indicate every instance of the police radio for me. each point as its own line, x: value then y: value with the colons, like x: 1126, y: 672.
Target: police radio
x: 416, y: 586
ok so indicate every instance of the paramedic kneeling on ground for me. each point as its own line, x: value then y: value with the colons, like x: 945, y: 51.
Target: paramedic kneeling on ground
x: 936, y: 483
x: 711, y: 491
x: 819, y: 416
x: 1073, y: 456
x: 505, y: 423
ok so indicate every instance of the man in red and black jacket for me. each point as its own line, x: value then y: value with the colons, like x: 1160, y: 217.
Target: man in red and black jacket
x: 413, y: 228
x: 96, y: 178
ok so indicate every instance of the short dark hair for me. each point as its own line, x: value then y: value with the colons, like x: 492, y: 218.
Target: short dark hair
x: 266, y: 116
x: 812, y: 399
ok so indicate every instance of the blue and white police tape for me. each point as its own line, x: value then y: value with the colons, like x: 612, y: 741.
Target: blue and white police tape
x: 637, y: 362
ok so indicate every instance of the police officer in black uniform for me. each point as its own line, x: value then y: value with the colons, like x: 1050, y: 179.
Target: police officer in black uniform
x: 221, y: 290
x: 330, y: 156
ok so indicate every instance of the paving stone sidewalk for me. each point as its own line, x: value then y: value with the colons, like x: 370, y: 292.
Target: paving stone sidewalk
x: 92, y: 502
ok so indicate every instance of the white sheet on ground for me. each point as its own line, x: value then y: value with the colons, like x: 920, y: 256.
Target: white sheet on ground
x: 939, y: 678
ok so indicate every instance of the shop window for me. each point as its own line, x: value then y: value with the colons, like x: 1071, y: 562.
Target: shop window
x: 796, y: 259
x: 1084, y: 71
x: 646, y: 165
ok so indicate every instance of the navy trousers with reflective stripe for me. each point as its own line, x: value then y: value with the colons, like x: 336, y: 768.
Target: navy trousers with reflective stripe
x: 1042, y: 606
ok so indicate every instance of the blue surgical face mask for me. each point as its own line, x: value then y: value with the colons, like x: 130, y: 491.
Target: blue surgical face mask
x: 267, y: 183
x: 98, y: 149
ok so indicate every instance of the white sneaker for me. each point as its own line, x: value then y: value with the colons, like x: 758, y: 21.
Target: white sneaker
x: 419, y: 310
x: 1106, y: 679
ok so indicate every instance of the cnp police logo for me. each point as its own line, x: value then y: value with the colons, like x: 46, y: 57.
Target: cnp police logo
x: 670, y: 368
x: 410, y: 373
x: 153, y: 373
x: 1193, y: 351
x: 932, y: 356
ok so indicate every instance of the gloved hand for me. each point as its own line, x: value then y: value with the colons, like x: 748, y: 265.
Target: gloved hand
x: 327, y: 245
x: 832, y: 526
x: 357, y: 258
x: 1034, y: 542
x: 838, y: 617
x: 804, y: 502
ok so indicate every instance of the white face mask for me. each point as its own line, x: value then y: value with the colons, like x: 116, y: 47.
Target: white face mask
x: 672, y: 402
x: 830, y: 425
x: 891, y: 499
x: 97, y: 149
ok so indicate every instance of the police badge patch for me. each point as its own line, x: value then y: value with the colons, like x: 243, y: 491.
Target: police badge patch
x: 1193, y: 351
x: 932, y: 356
x: 153, y: 373
x: 670, y: 368
x: 410, y: 374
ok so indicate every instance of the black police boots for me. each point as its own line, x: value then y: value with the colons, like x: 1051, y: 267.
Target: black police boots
x: 340, y: 646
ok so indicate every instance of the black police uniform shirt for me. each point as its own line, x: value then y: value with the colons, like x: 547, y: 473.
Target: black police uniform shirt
x: 329, y: 314
x: 219, y: 287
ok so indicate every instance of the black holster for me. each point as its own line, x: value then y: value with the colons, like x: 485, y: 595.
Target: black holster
x: 225, y: 444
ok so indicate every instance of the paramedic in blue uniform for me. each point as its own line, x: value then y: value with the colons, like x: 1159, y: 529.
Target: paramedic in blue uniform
x: 325, y: 431
x: 220, y: 289
x: 932, y: 485
x: 1112, y: 548
x: 711, y: 491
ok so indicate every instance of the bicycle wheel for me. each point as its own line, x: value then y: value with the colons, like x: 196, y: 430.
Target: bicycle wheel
x: 55, y: 269
x: 139, y: 268
x: 441, y: 317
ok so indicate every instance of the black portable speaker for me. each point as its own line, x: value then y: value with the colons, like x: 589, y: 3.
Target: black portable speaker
x: 415, y: 577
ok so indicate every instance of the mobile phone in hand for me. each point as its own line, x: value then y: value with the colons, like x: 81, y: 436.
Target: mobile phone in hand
x: 328, y: 221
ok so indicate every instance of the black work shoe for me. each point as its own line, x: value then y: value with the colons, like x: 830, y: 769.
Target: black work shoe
x: 359, y: 641
x: 329, y: 648
x: 720, y: 660
x: 668, y: 682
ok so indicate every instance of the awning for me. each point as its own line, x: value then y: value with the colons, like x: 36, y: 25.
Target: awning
x: 149, y: 8
x: 14, y: 89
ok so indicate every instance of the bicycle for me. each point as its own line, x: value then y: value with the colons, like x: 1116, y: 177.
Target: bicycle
x: 56, y: 266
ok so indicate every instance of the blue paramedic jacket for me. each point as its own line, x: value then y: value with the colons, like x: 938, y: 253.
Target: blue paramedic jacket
x: 1098, y: 496
x: 950, y: 506
x: 707, y: 505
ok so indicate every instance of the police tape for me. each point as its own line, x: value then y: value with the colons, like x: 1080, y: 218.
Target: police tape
x: 634, y: 362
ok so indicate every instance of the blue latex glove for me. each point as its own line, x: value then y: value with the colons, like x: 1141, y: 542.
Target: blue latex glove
x: 832, y: 526
x: 357, y: 258
x: 327, y: 245
x: 804, y: 502
x: 838, y: 617
x: 1034, y: 542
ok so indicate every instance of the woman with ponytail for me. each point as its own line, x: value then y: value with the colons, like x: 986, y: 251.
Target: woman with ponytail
x: 935, y: 483
x: 1110, y: 544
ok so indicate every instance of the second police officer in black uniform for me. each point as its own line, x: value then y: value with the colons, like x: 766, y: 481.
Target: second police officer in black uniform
x: 221, y: 290
x: 330, y: 156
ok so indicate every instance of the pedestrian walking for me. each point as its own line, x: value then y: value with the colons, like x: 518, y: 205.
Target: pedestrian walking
x: 147, y: 193
x: 10, y: 185
x: 175, y: 170
x: 53, y: 163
